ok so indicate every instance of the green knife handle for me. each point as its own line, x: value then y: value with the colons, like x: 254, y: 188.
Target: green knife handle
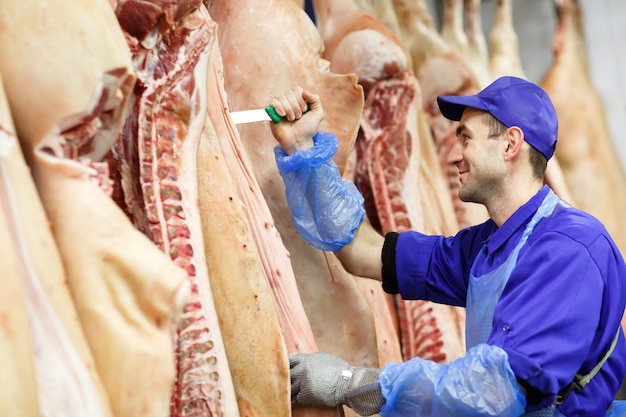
x: 275, y: 117
x: 272, y: 113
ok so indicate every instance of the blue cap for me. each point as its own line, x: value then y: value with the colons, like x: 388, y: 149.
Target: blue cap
x: 515, y: 102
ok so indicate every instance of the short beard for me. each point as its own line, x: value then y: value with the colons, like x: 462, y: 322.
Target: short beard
x: 479, y: 194
x: 469, y: 195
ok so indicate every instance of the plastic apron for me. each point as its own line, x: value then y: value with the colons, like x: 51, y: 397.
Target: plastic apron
x: 484, y: 291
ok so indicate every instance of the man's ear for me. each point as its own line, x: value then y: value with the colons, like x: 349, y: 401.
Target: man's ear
x: 514, y: 140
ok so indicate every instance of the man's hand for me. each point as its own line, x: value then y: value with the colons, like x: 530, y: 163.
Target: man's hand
x: 324, y: 380
x: 316, y: 379
x: 295, y: 132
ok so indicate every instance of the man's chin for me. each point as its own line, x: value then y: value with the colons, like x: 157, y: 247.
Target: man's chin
x: 466, y: 196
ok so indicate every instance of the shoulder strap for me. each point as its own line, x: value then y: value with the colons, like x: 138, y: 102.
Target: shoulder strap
x: 580, y: 381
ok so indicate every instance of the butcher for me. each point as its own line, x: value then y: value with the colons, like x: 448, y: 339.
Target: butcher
x: 542, y: 282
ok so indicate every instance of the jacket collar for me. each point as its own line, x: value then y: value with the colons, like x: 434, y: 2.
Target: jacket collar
x: 516, y: 222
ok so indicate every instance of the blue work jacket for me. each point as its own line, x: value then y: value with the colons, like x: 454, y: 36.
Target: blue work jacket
x: 560, y: 308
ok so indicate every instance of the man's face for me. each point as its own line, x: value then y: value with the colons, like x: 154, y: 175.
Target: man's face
x: 479, y: 159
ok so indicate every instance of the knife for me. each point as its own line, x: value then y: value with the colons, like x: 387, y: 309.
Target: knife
x: 257, y: 115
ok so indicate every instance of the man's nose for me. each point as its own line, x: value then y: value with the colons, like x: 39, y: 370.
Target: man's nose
x: 455, y: 154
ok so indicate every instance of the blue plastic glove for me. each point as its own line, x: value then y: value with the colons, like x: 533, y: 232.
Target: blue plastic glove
x: 479, y: 384
x: 326, y: 209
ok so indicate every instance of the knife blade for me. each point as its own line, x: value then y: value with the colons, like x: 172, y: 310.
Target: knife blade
x: 257, y: 115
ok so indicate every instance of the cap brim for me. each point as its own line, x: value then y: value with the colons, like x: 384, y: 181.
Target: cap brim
x: 452, y: 107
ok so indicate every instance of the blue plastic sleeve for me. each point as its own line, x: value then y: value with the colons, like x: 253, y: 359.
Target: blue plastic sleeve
x: 618, y: 408
x: 326, y: 209
x: 479, y: 384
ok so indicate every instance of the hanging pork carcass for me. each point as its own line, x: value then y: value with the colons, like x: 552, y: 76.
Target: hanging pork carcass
x: 504, y: 59
x: 462, y: 30
x: 253, y: 283
x: 232, y: 277
x: 440, y: 71
x: 67, y: 105
x: 224, y: 146
x: 389, y: 167
x: 357, y: 42
x: 48, y: 368
x: 266, y: 50
x: 274, y: 257
x: 157, y: 155
x: 383, y: 11
x: 585, y: 149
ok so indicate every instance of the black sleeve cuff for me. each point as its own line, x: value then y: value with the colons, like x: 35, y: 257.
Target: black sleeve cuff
x: 388, y: 272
